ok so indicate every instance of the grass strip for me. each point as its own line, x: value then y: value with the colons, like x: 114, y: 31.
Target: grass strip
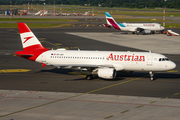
x: 172, y: 25
x: 35, y: 25
x: 142, y: 20
x: 38, y: 20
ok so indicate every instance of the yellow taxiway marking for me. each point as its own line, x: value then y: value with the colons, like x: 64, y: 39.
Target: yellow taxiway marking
x: 108, y: 117
x: 172, y: 71
x: 74, y: 97
x: 165, y: 98
x: 168, y: 97
x: 152, y: 102
x: 58, y: 44
x: 14, y: 70
x: 42, y: 38
x: 41, y: 41
x: 125, y: 111
x: 11, y: 30
x: 83, y: 74
x: 177, y: 94
x: 139, y: 106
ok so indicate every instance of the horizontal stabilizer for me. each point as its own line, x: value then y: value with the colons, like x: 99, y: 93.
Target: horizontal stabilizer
x: 106, y: 25
x: 24, y: 53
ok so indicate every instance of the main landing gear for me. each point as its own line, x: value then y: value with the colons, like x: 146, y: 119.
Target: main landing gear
x: 151, y: 75
x: 89, y: 77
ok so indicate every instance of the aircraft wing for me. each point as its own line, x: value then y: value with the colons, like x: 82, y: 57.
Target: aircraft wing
x: 83, y: 65
x: 118, y: 67
x: 139, y: 29
x: 146, y: 31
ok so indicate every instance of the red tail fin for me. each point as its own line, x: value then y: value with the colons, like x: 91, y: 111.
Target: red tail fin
x: 28, y: 39
x: 31, y: 45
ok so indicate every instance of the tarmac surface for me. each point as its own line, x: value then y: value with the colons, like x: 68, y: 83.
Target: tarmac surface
x: 28, y: 91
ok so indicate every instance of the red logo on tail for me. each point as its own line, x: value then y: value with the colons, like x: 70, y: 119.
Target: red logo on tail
x: 27, y: 38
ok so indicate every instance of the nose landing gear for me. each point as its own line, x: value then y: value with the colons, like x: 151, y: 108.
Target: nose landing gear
x: 151, y: 75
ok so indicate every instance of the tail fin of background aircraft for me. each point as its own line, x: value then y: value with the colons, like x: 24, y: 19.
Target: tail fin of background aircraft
x: 111, y: 21
x: 28, y: 39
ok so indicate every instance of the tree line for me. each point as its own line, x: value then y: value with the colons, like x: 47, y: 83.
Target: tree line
x: 103, y: 3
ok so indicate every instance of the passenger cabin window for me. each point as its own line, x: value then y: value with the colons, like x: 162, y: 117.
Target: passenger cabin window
x: 73, y: 57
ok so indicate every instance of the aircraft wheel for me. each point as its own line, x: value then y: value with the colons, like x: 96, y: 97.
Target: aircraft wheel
x: 151, y: 75
x: 89, y: 77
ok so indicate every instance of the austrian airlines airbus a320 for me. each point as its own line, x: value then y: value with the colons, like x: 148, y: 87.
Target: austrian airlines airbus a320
x: 104, y: 63
x: 145, y: 28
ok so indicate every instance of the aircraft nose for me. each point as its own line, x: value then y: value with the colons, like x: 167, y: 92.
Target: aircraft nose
x: 172, y: 65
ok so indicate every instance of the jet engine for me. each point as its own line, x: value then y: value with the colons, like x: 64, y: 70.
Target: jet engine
x: 107, y: 73
x: 106, y: 25
x: 147, y: 31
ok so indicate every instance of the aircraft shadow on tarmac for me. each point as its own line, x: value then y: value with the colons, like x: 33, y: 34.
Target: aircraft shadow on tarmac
x: 163, y: 75
x: 120, y: 75
x: 77, y: 72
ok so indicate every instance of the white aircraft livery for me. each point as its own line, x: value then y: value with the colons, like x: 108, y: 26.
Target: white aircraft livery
x: 105, y: 64
x: 145, y: 28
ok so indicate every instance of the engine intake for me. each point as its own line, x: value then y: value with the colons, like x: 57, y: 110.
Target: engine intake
x: 147, y: 31
x: 107, y: 73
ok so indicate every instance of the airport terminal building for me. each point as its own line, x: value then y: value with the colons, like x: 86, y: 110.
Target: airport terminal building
x: 7, y: 11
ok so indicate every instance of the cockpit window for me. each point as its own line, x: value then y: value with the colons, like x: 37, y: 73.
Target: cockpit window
x: 163, y: 59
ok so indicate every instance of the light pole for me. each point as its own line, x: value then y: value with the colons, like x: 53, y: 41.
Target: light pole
x: 44, y: 6
x: 28, y: 6
x: 54, y: 8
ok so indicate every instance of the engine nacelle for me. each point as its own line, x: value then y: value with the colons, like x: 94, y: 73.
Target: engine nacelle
x: 107, y: 73
x: 147, y: 31
x: 106, y: 25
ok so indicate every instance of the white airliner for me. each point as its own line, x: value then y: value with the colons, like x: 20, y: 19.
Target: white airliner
x: 104, y: 63
x: 145, y: 28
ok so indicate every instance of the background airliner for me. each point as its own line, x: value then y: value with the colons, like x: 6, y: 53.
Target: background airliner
x: 145, y: 28
x: 103, y: 63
